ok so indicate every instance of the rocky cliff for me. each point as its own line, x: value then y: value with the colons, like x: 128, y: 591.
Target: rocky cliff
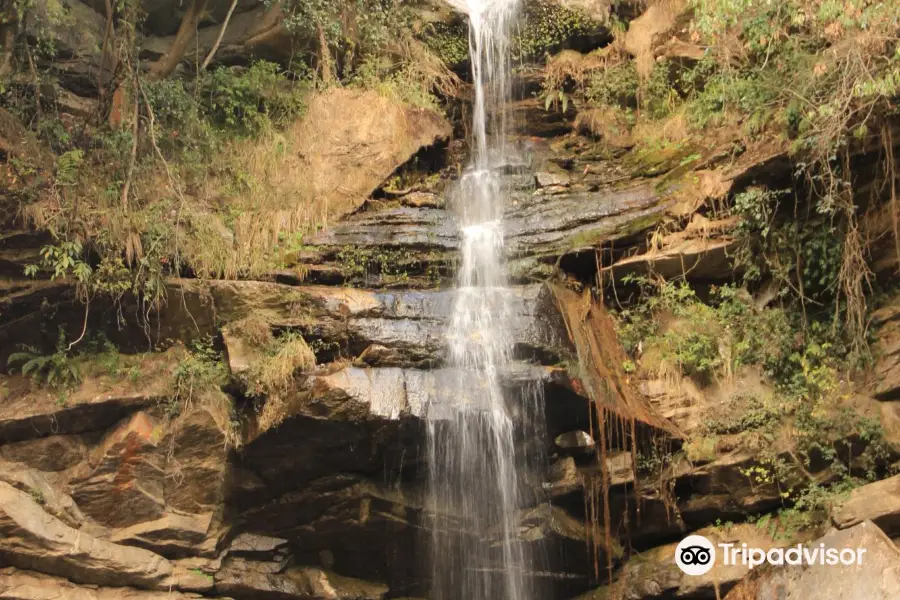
x: 240, y: 415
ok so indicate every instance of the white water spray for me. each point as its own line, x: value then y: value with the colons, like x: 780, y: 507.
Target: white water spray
x: 473, y: 480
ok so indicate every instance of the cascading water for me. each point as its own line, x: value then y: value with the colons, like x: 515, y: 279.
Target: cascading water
x: 474, y: 485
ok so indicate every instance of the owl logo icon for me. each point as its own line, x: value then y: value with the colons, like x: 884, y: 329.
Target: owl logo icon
x: 695, y: 555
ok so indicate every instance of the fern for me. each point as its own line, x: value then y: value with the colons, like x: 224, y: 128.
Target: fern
x: 55, y: 370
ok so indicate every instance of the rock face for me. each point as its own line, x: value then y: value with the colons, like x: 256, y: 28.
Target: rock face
x: 876, y: 578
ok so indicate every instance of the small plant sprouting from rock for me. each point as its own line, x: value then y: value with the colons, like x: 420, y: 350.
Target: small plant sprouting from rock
x: 201, y: 370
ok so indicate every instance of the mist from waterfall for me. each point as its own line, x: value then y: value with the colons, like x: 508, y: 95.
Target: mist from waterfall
x: 474, y: 483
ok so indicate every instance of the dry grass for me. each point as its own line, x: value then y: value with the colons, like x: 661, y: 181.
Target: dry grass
x: 255, y: 330
x: 274, y: 372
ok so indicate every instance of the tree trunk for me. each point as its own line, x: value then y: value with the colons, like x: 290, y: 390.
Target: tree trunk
x: 186, y: 31
x: 8, y: 29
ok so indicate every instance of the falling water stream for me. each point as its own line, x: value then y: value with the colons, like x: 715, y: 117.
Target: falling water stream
x: 474, y: 482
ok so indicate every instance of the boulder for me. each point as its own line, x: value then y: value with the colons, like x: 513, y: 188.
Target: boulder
x: 30, y: 538
x: 878, y: 502
x: 875, y: 578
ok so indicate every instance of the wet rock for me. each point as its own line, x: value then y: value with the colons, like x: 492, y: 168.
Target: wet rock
x: 411, y: 323
x: 878, y: 502
x: 32, y: 539
x: 557, y: 224
x: 548, y: 179
x: 877, y: 578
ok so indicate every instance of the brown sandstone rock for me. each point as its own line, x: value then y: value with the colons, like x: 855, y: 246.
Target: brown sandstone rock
x: 28, y: 585
x: 32, y: 539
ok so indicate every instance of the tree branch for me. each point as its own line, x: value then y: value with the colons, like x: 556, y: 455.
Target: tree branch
x: 215, y: 47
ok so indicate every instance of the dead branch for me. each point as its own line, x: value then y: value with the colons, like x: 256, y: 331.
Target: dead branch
x: 215, y: 47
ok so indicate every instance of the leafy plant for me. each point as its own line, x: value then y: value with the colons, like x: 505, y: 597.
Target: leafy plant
x: 56, y: 370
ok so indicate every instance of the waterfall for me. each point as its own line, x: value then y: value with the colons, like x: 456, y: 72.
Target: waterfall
x: 474, y: 486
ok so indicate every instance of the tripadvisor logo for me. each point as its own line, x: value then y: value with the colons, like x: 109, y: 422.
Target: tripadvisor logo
x: 696, y: 555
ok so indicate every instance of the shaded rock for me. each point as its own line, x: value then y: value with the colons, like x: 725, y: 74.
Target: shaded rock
x: 721, y: 490
x: 694, y: 259
x: 885, y: 376
x: 244, y: 579
x: 172, y: 535
x: 256, y: 30
x: 77, y: 33
x: 580, y: 442
x: 16, y: 584
x: 878, y: 502
x: 32, y: 539
x: 378, y: 355
x: 241, y: 354
x: 53, y: 453
x: 251, y: 545
x: 199, y: 448
x: 367, y: 528
x: 610, y: 126
x: 877, y: 578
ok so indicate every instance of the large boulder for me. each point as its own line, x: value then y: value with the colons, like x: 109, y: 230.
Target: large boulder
x: 30, y: 538
x: 875, y: 577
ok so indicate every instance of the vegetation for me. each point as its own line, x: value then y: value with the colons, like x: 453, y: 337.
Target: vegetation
x: 673, y: 333
x: 56, y: 370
